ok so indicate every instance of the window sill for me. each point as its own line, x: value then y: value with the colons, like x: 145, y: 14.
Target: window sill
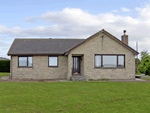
x: 24, y: 67
x: 109, y: 67
x: 53, y: 66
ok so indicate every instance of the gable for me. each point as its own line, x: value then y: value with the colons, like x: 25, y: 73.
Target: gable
x: 105, y: 33
x: 99, y: 45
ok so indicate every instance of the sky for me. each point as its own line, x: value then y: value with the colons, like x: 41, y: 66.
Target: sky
x: 74, y: 19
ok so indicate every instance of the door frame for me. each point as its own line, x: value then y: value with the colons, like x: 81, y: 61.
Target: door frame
x: 78, y: 63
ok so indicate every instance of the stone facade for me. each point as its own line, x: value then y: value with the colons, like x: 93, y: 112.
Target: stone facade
x: 40, y: 69
x: 96, y: 45
x: 105, y: 45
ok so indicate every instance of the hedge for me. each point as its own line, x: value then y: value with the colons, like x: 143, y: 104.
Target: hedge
x: 4, y: 65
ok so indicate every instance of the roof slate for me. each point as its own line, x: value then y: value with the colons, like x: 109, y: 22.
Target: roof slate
x: 42, y: 46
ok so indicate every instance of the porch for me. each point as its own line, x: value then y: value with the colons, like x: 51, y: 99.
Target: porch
x: 76, y: 67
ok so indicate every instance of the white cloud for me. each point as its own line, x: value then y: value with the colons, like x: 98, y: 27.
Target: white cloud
x: 74, y: 22
x: 115, y: 11
x: 125, y: 9
x: 137, y: 8
x: 145, y: 13
x: 4, y: 44
x: 4, y: 47
x: 71, y: 22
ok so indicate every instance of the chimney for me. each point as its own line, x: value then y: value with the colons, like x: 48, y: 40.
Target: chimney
x: 124, y: 38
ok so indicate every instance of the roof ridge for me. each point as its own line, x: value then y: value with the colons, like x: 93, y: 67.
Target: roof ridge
x: 49, y: 38
x: 68, y: 39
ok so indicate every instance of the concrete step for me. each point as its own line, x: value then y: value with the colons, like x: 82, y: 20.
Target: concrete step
x: 77, y: 78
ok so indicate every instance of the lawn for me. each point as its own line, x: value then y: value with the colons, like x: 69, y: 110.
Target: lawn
x: 4, y: 74
x: 74, y: 97
x: 146, y: 78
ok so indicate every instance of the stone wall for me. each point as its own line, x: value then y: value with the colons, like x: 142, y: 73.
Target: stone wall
x: 40, y: 69
x: 105, y: 45
x: 96, y: 45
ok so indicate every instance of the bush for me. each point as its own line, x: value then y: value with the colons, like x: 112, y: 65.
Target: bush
x: 138, y: 73
x: 4, y: 65
x: 90, y: 79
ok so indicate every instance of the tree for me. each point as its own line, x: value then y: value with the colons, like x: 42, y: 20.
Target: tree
x: 144, y: 66
x: 144, y: 53
x: 136, y: 65
x: 139, y: 62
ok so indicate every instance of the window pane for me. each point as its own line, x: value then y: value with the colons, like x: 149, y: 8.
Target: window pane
x: 97, y: 61
x: 30, y: 61
x: 52, y: 61
x: 109, y: 61
x: 120, y: 61
x: 22, y: 61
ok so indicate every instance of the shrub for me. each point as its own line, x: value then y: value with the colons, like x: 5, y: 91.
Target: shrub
x: 4, y: 65
x: 104, y: 79
x: 90, y: 79
x: 138, y: 73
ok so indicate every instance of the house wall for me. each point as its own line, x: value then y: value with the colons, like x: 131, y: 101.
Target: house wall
x: 40, y: 69
x: 105, y: 45
x: 82, y: 66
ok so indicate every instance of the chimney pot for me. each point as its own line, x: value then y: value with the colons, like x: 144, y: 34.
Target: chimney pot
x: 124, y: 32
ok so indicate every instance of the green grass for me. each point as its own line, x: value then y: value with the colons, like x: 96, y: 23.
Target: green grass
x: 74, y: 97
x: 146, y: 78
x: 4, y: 74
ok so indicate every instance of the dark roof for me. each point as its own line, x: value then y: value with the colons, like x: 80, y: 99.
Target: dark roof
x: 42, y: 46
x: 54, y: 46
x: 1, y: 58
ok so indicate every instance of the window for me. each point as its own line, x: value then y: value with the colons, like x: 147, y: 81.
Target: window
x: 29, y: 61
x: 22, y: 61
x: 53, y: 61
x: 98, y: 61
x: 25, y: 61
x: 120, y: 61
x: 110, y: 61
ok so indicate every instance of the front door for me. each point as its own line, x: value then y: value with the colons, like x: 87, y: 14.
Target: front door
x: 76, y: 65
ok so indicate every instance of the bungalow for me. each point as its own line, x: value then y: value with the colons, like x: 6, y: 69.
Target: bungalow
x: 101, y: 56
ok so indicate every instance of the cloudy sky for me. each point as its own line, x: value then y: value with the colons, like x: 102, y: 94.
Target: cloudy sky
x: 74, y: 19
